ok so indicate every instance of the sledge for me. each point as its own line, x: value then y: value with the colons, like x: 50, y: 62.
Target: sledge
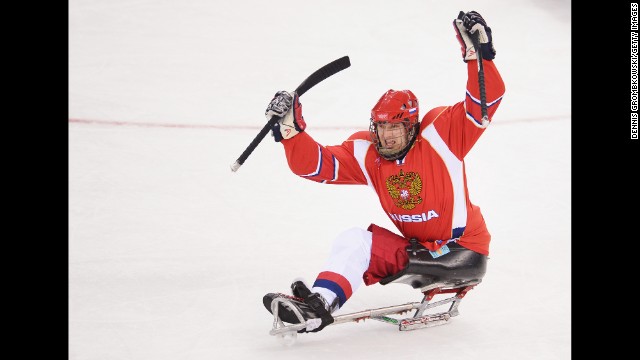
x: 455, y: 272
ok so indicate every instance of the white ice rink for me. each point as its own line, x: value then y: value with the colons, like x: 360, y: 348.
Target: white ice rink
x: 170, y: 252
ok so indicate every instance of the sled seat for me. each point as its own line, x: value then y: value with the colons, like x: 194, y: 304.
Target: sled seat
x: 460, y: 267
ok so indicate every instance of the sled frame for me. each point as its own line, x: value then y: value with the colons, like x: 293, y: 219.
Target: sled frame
x: 419, y: 319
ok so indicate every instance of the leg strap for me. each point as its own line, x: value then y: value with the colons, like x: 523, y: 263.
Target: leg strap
x: 316, y: 303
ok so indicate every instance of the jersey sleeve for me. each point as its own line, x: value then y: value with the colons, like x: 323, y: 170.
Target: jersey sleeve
x: 460, y: 125
x: 334, y: 164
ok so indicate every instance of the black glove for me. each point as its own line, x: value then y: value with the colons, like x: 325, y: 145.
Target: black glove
x: 291, y: 121
x: 470, y: 23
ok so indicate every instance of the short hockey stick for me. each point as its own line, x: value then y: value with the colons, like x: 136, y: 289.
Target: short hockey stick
x: 475, y: 37
x: 313, y: 79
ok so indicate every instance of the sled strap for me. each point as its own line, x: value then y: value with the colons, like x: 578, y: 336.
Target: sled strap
x: 317, y: 304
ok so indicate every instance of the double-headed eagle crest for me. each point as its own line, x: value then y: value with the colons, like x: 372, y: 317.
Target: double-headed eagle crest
x: 404, y: 189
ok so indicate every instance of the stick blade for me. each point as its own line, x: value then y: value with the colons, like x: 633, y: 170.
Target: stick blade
x: 324, y: 72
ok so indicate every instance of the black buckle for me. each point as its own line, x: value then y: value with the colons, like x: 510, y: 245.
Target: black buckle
x: 414, y: 245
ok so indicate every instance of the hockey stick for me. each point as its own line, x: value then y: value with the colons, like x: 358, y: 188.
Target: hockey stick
x: 475, y: 37
x: 313, y: 79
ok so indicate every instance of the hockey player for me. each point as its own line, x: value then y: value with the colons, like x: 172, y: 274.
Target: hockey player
x: 415, y: 167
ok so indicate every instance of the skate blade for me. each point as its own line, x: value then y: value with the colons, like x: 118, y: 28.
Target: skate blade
x: 424, y: 321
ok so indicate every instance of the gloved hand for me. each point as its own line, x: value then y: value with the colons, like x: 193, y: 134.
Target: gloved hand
x: 470, y: 23
x: 291, y: 121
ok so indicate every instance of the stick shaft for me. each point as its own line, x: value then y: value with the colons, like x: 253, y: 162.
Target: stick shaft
x: 483, y: 93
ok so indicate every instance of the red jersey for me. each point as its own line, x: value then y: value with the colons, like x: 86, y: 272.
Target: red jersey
x: 425, y: 192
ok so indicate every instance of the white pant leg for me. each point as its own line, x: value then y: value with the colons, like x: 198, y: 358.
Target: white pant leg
x: 342, y: 273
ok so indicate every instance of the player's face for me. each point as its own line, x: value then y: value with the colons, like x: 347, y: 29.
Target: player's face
x: 393, y: 136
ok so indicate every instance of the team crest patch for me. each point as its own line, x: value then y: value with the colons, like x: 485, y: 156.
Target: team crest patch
x: 405, y: 188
